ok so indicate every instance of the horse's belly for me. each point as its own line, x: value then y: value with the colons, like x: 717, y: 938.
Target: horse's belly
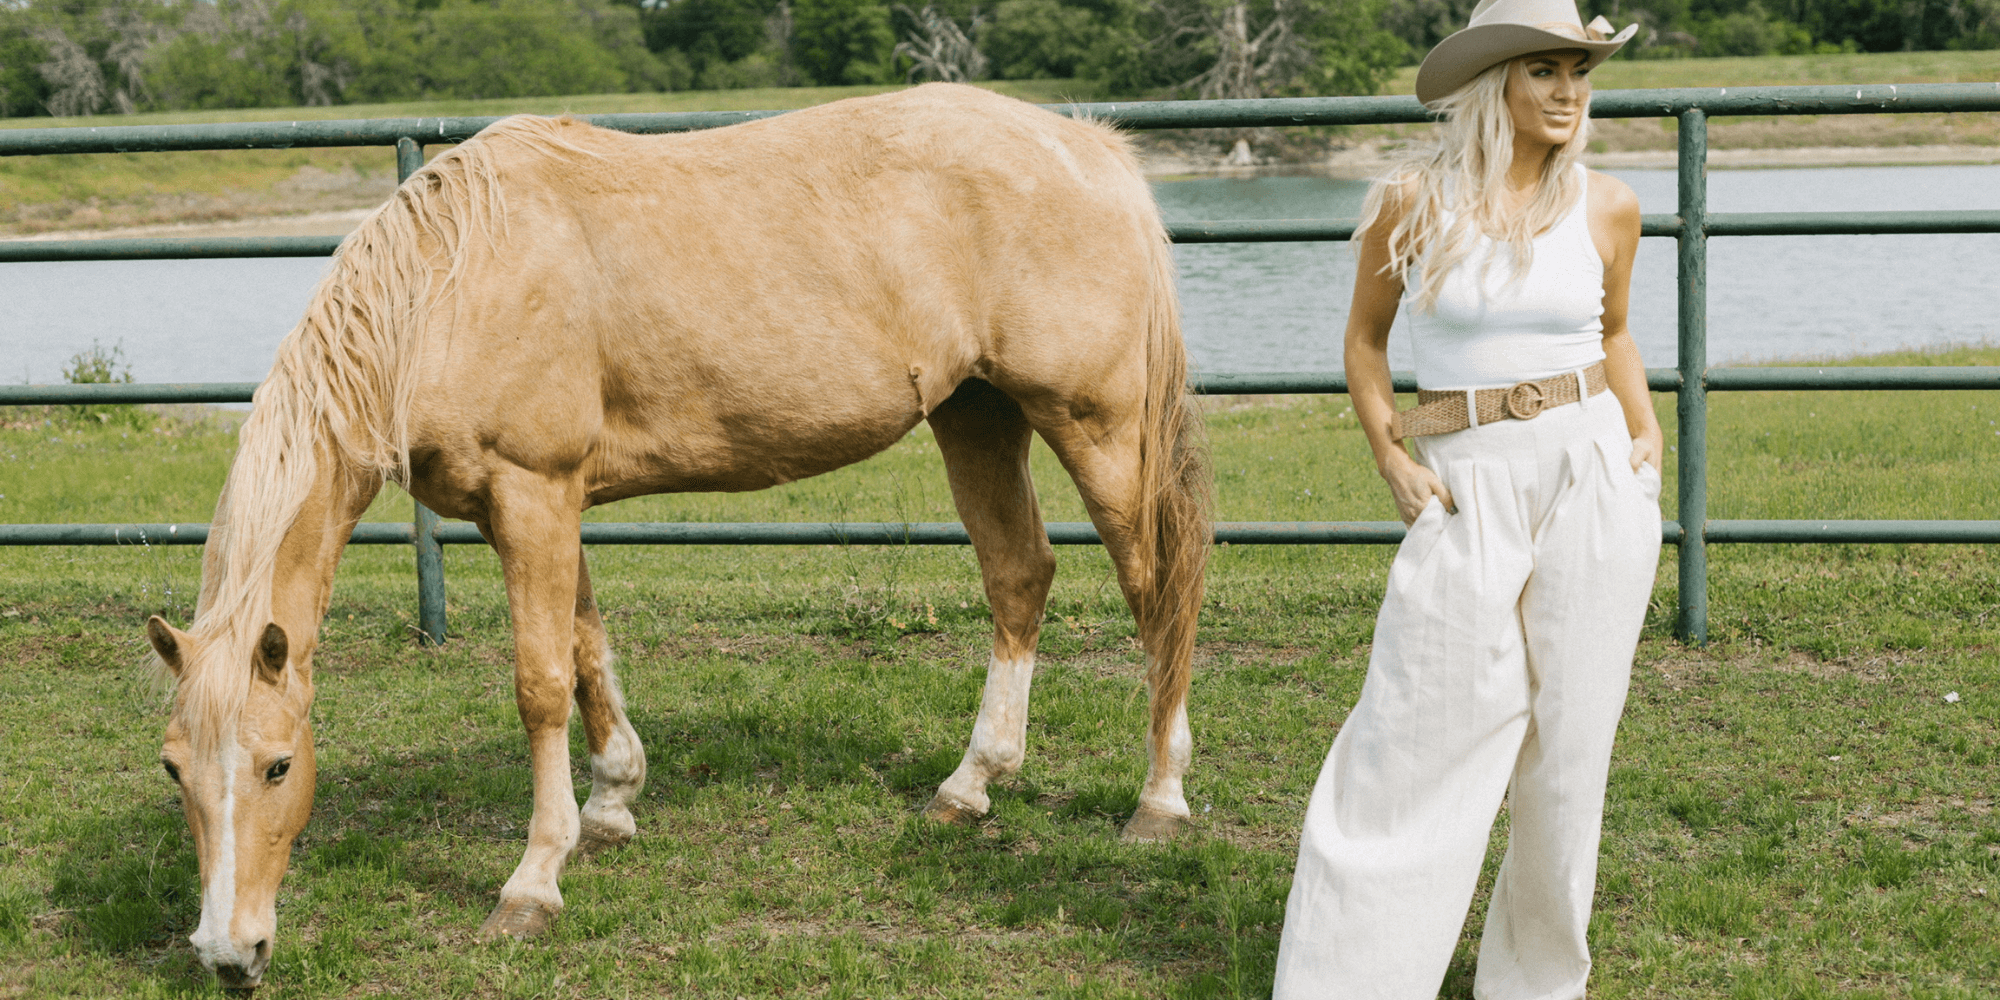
x: 734, y: 460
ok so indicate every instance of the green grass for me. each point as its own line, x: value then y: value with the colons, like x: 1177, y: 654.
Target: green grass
x: 1795, y: 811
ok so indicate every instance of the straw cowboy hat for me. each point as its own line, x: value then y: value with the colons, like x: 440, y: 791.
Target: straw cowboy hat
x: 1503, y: 29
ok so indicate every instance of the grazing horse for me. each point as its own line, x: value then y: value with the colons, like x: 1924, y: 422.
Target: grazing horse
x: 553, y: 316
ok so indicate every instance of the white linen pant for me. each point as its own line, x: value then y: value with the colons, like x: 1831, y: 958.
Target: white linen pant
x: 1500, y: 665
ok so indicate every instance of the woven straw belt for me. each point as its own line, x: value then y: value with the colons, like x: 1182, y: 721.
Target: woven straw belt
x: 1441, y: 411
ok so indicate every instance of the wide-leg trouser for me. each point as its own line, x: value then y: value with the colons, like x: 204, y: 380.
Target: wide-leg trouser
x: 1500, y: 664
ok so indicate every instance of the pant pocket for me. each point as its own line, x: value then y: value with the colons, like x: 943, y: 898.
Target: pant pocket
x: 1420, y: 542
x: 1649, y: 481
x: 1424, y: 531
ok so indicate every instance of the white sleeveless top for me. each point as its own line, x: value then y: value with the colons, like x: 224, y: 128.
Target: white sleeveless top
x: 1498, y: 331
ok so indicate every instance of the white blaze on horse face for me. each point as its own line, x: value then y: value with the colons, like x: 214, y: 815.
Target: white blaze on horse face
x: 211, y: 939
x: 999, y: 736
x: 244, y: 811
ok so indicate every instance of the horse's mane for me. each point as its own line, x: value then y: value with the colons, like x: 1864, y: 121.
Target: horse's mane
x: 340, y: 390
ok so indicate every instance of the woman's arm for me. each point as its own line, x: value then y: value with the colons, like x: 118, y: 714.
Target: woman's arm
x: 1376, y: 297
x: 1614, y: 227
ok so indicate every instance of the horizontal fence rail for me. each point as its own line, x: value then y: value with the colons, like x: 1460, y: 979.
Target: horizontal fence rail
x: 953, y: 533
x: 736, y: 533
x: 1692, y: 379
x: 1207, y: 384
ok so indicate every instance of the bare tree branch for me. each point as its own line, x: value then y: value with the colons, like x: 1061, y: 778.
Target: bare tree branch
x: 940, y: 49
x: 76, y: 82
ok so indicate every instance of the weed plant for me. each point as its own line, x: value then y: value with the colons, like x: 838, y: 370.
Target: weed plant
x: 1803, y: 809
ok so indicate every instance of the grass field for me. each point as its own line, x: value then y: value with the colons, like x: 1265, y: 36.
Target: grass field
x: 1797, y: 811
x: 45, y: 193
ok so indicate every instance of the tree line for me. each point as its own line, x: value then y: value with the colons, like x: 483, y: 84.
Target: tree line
x: 82, y: 57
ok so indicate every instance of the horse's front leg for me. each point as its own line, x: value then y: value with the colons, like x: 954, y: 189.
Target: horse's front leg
x: 535, y: 528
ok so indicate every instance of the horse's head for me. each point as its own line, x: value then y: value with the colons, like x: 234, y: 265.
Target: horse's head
x: 240, y: 745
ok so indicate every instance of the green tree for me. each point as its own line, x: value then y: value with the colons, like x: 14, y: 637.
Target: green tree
x: 725, y: 43
x: 710, y: 30
x: 514, y: 48
x: 843, y: 41
x: 1248, y: 48
x: 1749, y: 31
x: 1421, y: 24
x: 22, y: 90
x: 1040, y: 39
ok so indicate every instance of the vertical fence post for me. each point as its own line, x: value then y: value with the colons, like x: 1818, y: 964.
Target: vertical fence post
x: 430, y: 554
x: 1692, y: 404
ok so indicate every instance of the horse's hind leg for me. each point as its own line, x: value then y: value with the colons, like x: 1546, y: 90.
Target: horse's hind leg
x: 984, y: 439
x: 617, y: 760
x: 534, y: 525
x: 1104, y: 458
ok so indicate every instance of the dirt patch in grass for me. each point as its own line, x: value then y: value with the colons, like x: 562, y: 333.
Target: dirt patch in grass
x: 1868, y: 669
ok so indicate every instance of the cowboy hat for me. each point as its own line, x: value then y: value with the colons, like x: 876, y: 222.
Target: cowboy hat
x: 1503, y: 29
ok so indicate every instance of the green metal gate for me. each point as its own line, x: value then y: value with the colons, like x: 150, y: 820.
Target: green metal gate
x: 1692, y: 379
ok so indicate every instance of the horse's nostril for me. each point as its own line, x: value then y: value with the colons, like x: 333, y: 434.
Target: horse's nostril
x: 263, y: 952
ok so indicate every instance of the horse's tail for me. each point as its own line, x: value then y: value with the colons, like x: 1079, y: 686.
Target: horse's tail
x: 1176, y: 512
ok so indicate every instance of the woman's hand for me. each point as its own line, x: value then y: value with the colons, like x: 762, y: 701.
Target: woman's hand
x: 1413, y: 486
x: 1649, y: 447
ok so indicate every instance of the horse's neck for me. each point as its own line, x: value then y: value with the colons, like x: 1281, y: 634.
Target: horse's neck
x: 302, y: 577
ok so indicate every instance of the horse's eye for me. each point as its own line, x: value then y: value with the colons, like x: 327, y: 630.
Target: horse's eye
x: 172, y: 771
x: 278, y: 769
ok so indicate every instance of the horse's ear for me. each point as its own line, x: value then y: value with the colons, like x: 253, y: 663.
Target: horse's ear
x: 272, y: 647
x: 166, y: 642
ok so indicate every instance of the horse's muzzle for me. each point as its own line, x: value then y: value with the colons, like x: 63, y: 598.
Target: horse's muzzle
x: 238, y: 971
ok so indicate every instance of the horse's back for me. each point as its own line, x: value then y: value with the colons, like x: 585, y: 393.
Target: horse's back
x: 743, y: 306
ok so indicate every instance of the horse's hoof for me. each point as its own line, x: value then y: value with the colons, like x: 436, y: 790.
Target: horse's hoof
x: 951, y: 811
x: 1149, y: 825
x: 516, y: 921
x: 594, y: 837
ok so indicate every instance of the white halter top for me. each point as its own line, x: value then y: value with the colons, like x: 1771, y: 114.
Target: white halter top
x: 1498, y: 331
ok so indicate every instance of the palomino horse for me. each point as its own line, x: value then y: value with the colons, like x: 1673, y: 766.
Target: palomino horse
x: 553, y: 316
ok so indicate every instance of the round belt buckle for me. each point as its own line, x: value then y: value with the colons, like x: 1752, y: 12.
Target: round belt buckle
x: 1525, y: 400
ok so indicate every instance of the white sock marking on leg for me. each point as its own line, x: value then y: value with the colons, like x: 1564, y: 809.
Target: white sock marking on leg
x: 1000, y: 734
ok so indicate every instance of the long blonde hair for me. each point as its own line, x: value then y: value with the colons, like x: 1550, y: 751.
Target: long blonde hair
x: 1449, y: 193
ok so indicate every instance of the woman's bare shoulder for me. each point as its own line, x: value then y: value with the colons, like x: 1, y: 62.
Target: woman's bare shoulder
x: 1611, y: 198
x: 1399, y: 192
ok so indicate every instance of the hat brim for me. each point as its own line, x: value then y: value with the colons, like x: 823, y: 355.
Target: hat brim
x: 1466, y: 54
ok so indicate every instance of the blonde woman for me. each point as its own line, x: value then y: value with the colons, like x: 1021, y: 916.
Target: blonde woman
x: 1530, y: 485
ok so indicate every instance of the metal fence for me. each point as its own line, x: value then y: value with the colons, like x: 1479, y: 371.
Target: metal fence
x: 1692, y: 379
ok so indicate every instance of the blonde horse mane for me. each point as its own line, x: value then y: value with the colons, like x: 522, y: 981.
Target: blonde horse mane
x: 340, y: 389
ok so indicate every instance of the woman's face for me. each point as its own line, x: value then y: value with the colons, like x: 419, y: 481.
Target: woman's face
x: 1546, y: 95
